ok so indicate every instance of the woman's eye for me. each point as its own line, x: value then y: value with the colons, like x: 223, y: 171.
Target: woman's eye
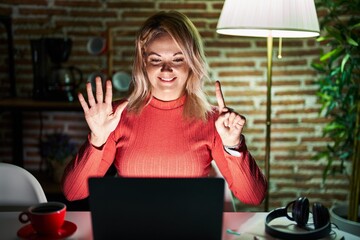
x: 155, y: 61
x: 178, y: 60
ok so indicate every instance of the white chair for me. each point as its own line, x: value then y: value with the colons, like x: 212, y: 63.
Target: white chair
x: 18, y: 188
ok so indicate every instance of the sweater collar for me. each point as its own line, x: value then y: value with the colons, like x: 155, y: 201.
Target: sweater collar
x: 157, y: 103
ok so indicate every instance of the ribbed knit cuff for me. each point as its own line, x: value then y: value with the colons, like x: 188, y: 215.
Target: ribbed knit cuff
x: 237, y: 146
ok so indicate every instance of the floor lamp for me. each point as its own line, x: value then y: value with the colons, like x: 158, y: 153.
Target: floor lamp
x: 270, y: 19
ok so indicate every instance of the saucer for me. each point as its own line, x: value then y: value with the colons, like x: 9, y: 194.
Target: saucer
x: 27, y: 232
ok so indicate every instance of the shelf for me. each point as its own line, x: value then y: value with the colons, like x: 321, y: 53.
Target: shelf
x: 27, y: 104
x: 16, y: 106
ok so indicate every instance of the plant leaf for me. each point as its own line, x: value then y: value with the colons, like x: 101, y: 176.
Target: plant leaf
x: 319, y: 67
x: 343, y: 62
x: 323, y: 38
x: 330, y: 54
x: 355, y: 26
x: 334, y: 32
x: 351, y: 41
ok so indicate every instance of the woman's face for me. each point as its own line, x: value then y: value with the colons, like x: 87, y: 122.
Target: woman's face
x: 166, y: 68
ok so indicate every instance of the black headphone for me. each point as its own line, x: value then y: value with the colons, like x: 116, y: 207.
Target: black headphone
x: 300, y: 214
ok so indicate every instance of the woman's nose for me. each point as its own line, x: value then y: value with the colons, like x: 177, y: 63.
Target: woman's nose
x: 166, y: 67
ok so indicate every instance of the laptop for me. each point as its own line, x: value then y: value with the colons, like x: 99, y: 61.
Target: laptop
x: 156, y: 208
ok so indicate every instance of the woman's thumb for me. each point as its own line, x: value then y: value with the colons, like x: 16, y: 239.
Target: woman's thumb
x: 120, y: 108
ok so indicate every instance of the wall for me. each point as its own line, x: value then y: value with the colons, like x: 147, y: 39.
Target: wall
x: 240, y: 64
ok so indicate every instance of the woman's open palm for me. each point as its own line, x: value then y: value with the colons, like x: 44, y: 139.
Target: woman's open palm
x: 99, y: 114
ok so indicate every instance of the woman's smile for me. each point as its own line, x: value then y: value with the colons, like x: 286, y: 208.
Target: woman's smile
x: 167, y: 79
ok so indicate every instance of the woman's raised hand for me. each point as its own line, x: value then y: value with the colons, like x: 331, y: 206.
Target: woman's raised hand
x: 99, y: 114
x: 230, y: 124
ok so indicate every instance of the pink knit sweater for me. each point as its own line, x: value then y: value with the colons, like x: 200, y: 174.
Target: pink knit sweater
x: 160, y: 143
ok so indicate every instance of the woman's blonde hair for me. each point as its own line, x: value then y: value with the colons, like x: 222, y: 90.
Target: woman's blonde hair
x: 185, y: 34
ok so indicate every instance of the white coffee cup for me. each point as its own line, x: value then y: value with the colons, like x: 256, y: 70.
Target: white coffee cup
x: 121, y: 81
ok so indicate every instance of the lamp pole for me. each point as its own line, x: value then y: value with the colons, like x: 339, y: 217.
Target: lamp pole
x: 268, y: 115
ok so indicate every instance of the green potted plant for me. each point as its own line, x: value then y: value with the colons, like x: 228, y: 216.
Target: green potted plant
x: 57, y: 149
x: 339, y: 93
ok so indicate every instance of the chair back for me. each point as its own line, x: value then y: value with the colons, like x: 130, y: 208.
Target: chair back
x: 18, y: 188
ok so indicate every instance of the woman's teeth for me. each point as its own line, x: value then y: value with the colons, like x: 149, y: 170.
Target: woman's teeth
x: 167, y: 79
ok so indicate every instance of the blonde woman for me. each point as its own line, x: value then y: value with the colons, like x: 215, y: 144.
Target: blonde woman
x: 166, y: 128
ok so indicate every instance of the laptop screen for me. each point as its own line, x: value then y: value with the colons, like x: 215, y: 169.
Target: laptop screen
x: 156, y: 208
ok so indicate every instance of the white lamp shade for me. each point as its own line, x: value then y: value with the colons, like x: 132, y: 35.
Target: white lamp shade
x: 264, y: 18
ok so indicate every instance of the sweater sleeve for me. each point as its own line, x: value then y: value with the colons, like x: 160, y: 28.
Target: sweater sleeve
x: 242, y: 174
x: 89, y: 162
